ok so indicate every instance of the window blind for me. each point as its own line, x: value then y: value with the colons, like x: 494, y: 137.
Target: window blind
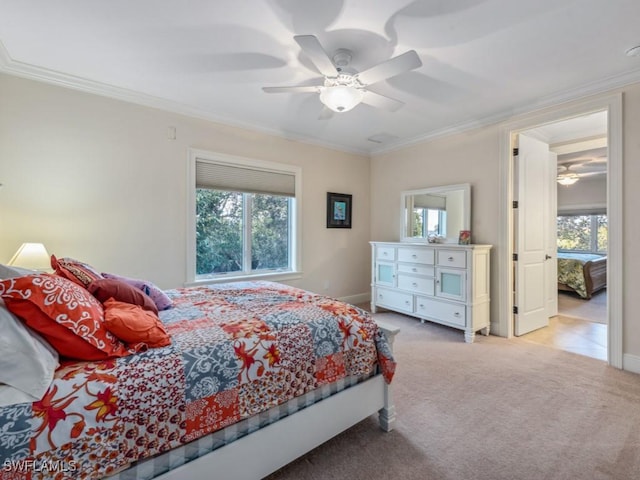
x: 221, y: 176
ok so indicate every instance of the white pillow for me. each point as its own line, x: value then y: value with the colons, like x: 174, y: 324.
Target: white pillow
x: 27, y: 361
x: 7, y: 271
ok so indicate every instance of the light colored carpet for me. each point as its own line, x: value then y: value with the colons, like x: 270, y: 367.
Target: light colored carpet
x: 593, y: 310
x: 496, y: 409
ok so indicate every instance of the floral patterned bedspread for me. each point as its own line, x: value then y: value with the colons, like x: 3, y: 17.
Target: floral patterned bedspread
x: 570, y: 270
x: 237, y: 349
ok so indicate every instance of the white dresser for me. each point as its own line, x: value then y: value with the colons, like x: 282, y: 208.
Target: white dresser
x: 443, y: 283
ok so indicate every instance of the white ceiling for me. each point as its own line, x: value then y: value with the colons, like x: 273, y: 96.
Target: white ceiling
x: 483, y: 60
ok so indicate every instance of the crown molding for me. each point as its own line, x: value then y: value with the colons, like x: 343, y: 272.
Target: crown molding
x: 592, y: 88
x: 33, y: 72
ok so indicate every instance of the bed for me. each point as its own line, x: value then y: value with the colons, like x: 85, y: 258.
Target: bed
x: 257, y: 374
x: 582, y: 273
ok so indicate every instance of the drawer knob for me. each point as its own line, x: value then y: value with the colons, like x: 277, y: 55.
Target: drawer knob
x: 422, y: 305
x: 414, y: 284
x: 380, y: 295
x: 414, y: 269
x: 406, y: 302
x: 457, y: 314
x: 450, y: 259
x: 385, y: 253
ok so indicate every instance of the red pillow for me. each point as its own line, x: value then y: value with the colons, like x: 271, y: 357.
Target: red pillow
x: 105, y: 288
x: 78, y: 272
x: 67, y: 315
x: 131, y: 324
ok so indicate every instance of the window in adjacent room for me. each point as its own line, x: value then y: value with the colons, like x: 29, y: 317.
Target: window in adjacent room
x: 245, y: 218
x: 582, y: 233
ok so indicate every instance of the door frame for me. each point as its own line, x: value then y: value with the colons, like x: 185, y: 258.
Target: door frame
x: 612, y: 103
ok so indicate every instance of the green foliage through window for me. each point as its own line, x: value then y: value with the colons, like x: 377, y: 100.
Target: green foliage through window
x: 234, y: 229
x: 583, y: 233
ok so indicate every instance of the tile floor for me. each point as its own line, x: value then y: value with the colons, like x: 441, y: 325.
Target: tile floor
x: 573, y: 335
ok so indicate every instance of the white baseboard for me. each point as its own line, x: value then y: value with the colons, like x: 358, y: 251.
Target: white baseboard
x: 356, y: 299
x: 631, y: 363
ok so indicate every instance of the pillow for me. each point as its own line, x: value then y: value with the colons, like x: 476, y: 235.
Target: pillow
x: 131, y: 324
x: 160, y: 298
x: 27, y: 361
x: 65, y: 314
x: 78, y: 272
x: 105, y: 288
x: 7, y: 271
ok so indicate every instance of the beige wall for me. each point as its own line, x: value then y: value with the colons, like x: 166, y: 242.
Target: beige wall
x: 474, y: 157
x: 97, y: 179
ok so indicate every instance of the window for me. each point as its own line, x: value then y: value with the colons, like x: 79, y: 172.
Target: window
x: 582, y: 233
x: 244, y: 220
x: 429, y: 221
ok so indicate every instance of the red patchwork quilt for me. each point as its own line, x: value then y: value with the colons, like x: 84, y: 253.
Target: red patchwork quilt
x: 237, y: 349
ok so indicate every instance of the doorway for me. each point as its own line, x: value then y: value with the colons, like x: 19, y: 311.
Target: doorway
x: 612, y: 104
x: 575, y: 154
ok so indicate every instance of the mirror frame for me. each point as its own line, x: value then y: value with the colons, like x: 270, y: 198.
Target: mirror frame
x: 465, y: 187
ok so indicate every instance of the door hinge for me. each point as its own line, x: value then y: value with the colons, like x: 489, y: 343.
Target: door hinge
x: 515, y: 257
x: 515, y: 204
x: 515, y: 152
x: 515, y: 309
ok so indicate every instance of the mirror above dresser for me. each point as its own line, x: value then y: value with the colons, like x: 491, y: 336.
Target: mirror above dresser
x: 435, y: 212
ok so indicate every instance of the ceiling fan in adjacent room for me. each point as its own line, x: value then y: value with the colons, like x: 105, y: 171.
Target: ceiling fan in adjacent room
x: 570, y: 172
x: 344, y: 88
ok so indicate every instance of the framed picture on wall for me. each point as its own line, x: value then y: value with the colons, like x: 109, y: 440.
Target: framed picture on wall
x: 338, y: 210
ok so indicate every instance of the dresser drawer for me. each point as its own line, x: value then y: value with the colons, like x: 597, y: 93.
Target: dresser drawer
x: 386, y: 253
x: 424, y: 285
x: 394, y: 300
x: 452, y: 258
x: 416, y: 269
x: 416, y: 255
x: 450, y: 313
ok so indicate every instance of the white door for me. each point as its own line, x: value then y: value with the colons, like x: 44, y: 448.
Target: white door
x: 551, y: 264
x: 532, y: 235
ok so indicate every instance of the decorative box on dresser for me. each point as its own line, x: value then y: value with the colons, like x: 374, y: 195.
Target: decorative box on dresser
x: 442, y: 283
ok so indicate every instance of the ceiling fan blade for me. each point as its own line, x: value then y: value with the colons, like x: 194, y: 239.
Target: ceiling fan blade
x: 300, y: 89
x: 392, y: 67
x: 380, y: 101
x: 313, y: 49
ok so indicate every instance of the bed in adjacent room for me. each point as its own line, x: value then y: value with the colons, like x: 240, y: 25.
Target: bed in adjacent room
x: 582, y: 273
x: 254, y: 375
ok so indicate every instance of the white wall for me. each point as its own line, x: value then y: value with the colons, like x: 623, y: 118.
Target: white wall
x: 473, y: 157
x: 97, y: 179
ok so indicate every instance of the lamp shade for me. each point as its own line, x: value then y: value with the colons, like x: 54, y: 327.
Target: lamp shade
x: 33, y: 256
x: 341, y: 98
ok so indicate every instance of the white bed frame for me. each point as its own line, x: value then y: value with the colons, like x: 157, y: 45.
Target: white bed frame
x: 257, y: 455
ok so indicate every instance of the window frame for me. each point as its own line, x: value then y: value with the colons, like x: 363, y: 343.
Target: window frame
x: 295, y: 219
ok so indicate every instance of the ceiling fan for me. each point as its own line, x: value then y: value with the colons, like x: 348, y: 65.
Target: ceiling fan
x: 570, y: 172
x: 344, y: 88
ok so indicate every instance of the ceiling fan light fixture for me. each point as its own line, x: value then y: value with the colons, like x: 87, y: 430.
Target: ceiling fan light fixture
x: 568, y: 179
x: 341, y: 98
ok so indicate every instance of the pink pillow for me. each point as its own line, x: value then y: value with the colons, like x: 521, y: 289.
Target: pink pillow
x: 160, y: 298
x: 65, y: 314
